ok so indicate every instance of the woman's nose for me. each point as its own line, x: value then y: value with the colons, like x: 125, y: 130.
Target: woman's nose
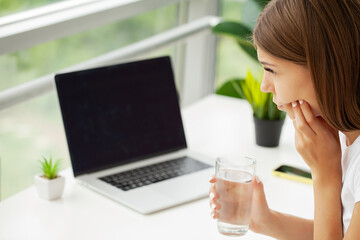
x: 266, y: 86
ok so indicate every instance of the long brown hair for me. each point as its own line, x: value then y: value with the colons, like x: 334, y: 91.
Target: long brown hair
x: 324, y: 35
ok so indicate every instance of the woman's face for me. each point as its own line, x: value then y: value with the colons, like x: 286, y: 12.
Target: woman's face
x: 289, y: 82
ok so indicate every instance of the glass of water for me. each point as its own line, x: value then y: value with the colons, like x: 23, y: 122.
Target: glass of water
x: 233, y: 185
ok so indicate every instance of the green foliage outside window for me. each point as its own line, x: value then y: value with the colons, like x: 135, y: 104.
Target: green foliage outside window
x: 12, y: 6
x: 249, y: 87
x: 34, y: 128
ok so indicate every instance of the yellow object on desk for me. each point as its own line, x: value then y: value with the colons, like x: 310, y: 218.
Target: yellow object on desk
x: 293, y: 173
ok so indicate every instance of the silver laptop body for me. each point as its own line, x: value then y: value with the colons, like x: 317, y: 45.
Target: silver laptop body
x: 126, y: 117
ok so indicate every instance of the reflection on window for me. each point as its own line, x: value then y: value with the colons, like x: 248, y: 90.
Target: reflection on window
x: 34, y: 129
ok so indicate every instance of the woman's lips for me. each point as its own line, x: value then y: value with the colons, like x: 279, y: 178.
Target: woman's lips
x: 284, y: 107
x: 279, y: 106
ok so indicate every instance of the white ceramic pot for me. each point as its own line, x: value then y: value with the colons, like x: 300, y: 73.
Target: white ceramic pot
x: 49, y: 189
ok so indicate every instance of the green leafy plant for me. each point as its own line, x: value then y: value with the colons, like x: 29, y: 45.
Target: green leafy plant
x: 49, y: 167
x: 248, y: 88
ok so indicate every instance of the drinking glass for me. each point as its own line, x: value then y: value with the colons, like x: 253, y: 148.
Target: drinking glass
x: 233, y: 185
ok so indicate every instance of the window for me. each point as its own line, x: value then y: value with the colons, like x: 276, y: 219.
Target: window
x: 34, y: 129
x: 8, y: 7
x: 49, y: 57
x: 75, y: 31
x: 231, y: 60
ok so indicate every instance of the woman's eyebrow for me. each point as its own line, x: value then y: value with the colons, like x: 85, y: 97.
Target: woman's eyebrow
x: 266, y: 63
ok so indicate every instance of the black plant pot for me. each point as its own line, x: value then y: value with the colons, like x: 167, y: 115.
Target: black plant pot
x: 268, y: 132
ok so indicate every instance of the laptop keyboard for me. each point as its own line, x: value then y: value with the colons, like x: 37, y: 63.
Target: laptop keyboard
x: 154, y: 173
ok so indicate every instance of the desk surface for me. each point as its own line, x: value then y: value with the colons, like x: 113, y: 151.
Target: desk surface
x: 214, y: 126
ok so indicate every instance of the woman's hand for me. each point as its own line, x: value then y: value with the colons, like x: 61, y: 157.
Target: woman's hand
x: 264, y: 220
x: 260, y: 212
x: 319, y: 146
x: 317, y: 142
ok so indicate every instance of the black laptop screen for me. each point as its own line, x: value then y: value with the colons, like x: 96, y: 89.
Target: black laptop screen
x: 118, y: 114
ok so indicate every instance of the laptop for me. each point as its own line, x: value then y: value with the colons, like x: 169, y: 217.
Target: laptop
x: 126, y: 138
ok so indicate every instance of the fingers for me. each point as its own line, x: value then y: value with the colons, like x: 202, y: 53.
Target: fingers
x: 310, y: 117
x: 212, y: 190
x: 214, y: 209
x: 212, y: 193
x: 258, y: 193
x: 255, y: 180
x: 257, y: 184
x: 214, y: 205
x: 307, y: 112
x: 300, y: 123
x: 212, y: 179
x: 214, y: 215
x: 213, y: 197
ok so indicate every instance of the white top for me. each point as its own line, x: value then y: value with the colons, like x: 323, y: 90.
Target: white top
x: 350, y: 193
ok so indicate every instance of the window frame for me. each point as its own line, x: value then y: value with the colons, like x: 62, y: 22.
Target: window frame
x: 191, y: 37
x: 63, y: 20
x: 41, y: 11
x: 197, y: 74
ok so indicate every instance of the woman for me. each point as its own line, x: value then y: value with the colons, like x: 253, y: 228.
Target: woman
x: 310, y: 50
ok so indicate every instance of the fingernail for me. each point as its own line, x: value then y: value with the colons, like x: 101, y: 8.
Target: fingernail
x: 213, y: 206
x: 211, y: 195
x: 294, y: 104
x: 301, y: 101
x: 210, y: 178
x: 257, y: 179
x: 212, y: 215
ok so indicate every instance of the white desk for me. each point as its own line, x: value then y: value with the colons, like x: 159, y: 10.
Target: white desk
x: 214, y: 126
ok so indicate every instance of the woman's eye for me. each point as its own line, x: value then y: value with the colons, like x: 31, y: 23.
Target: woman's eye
x: 269, y: 70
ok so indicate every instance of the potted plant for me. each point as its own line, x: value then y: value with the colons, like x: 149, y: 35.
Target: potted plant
x: 49, y: 184
x: 268, y: 118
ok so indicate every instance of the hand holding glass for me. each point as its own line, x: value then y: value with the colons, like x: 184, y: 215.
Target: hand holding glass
x: 234, y: 190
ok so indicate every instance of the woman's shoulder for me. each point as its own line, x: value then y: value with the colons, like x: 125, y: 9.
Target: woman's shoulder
x: 351, y: 154
x: 353, y: 148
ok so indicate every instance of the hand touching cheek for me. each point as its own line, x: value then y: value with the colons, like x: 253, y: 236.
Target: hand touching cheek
x: 317, y: 142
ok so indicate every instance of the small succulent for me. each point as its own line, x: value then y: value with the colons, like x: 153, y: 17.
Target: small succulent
x: 50, y: 167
